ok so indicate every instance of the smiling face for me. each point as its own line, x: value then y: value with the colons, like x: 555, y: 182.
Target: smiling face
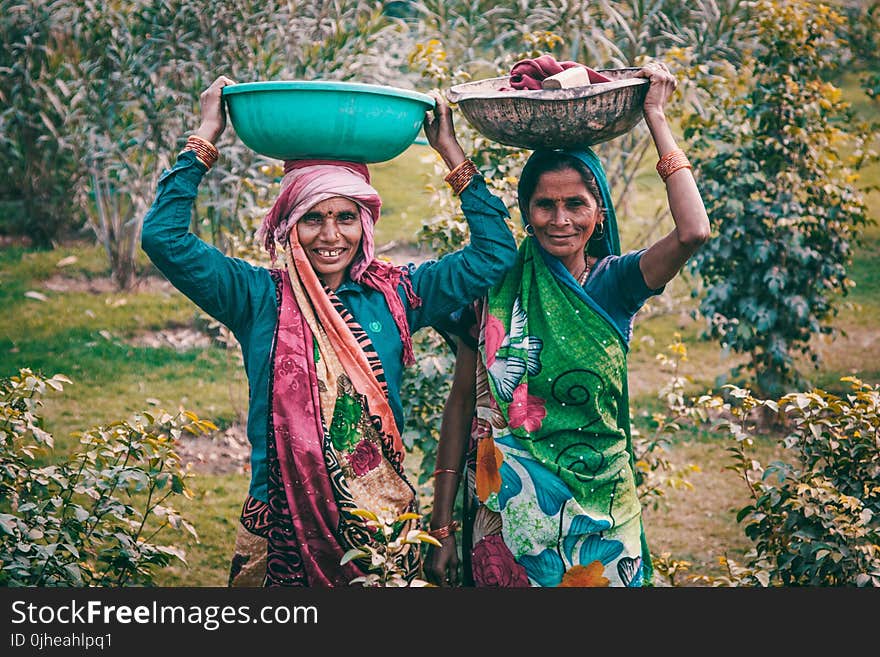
x: 330, y: 234
x: 563, y: 214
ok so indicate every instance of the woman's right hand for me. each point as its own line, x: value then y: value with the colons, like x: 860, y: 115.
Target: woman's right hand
x: 213, y: 110
x: 442, y: 568
x: 440, y: 132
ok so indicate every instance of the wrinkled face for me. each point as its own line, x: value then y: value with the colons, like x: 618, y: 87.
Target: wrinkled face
x: 563, y: 214
x: 330, y: 234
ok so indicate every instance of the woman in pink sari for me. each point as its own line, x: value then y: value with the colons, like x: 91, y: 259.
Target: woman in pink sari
x: 324, y: 339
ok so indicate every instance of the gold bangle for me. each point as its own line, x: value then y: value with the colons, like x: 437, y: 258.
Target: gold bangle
x: 460, y: 177
x: 205, y: 151
x: 202, y: 140
x: 672, y: 162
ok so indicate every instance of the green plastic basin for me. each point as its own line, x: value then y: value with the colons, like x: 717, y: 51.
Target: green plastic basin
x: 353, y: 121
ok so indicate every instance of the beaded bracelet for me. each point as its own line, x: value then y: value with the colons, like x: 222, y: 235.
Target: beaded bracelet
x: 205, y: 151
x: 446, y: 530
x: 672, y: 162
x: 460, y: 176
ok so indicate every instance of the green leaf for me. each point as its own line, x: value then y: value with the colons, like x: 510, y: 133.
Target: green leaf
x: 172, y: 551
x: 8, y: 523
x: 354, y: 553
x: 80, y: 513
x: 74, y: 572
x: 744, y: 512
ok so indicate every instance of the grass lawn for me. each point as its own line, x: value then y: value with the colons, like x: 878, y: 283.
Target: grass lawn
x: 402, y: 182
x: 216, y: 503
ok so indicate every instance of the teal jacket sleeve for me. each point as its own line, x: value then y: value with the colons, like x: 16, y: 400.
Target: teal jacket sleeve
x: 458, y: 278
x: 222, y: 286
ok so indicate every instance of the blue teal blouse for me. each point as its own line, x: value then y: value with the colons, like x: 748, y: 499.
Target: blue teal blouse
x: 242, y: 295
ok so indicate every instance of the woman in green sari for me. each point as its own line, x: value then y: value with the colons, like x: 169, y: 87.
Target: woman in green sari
x: 538, y: 413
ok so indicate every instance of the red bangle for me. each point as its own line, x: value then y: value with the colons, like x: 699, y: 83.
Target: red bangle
x: 205, y: 151
x: 450, y: 471
x: 446, y: 530
x: 672, y: 162
x: 460, y: 177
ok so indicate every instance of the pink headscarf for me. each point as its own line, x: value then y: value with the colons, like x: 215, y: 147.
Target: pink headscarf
x: 308, y: 182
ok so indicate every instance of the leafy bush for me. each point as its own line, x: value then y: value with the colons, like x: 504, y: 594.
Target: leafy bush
x: 655, y: 473
x: 778, y: 185
x: 39, y: 165
x: 97, y: 99
x: 814, y: 518
x: 90, y: 519
x: 424, y: 392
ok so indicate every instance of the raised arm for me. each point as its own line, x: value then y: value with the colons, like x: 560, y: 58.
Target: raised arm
x: 665, y: 258
x: 458, y: 278
x: 443, y: 564
x: 218, y: 284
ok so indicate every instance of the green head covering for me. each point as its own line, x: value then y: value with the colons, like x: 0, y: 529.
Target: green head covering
x: 547, y: 160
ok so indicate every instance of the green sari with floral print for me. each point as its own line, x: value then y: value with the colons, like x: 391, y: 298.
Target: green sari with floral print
x: 552, y: 484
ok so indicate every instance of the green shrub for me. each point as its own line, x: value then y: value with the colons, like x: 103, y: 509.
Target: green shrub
x: 37, y: 159
x: 779, y: 189
x: 384, y: 555
x: 424, y: 392
x: 815, y: 517
x: 655, y: 474
x: 89, y: 519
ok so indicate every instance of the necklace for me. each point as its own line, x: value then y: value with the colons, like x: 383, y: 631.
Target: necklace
x: 585, y: 273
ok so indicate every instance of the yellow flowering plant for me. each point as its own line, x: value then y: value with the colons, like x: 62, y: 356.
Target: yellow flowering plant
x: 385, y: 555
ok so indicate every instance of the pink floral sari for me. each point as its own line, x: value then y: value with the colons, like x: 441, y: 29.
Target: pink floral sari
x: 331, y: 450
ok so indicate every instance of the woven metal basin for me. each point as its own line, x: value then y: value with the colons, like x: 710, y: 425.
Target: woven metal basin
x: 558, y: 118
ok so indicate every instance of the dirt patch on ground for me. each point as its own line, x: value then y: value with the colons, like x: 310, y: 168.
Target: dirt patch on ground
x: 104, y: 284
x: 15, y: 240
x: 223, y: 452
x: 180, y: 338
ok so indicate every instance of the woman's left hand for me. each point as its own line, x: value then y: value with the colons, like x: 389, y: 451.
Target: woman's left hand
x: 442, y: 567
x: 213, y: 110
x: 662, y: 84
